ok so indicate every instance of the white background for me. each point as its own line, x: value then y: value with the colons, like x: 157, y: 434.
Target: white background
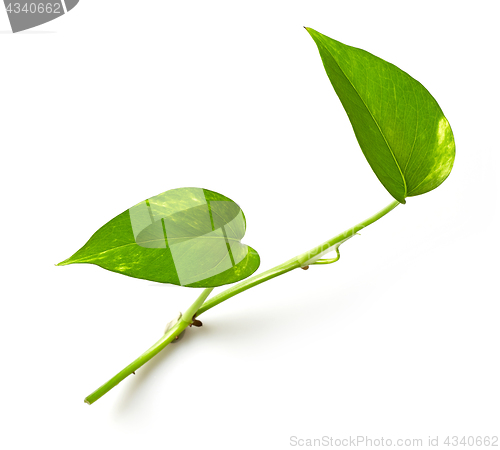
x: 121, y: 100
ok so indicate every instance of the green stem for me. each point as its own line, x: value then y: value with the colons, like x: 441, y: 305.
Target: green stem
x: 300, y: 261
x: 199, y: 306
x: 168, y: 337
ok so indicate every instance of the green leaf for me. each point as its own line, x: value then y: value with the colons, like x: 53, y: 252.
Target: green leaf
x: 187, y: 236
x: 400, y: 128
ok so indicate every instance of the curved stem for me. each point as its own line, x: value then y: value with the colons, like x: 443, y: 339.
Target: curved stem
x: 328, y: 261
x: 302, y: 260
x: 199, y: 306
x: 168, y: 337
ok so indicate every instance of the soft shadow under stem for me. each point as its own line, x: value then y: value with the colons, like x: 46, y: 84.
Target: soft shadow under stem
x: 145, y: 372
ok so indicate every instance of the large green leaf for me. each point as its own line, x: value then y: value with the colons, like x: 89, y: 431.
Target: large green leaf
x: 187, y: 236
x: 400, y: 128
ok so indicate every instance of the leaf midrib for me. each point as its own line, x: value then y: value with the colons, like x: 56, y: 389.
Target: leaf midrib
x: 371, y: 115
x: 93, y: 255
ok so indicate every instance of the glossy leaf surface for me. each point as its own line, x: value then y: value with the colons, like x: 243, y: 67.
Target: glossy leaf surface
x: 188, y: 236
x: 400, y: 128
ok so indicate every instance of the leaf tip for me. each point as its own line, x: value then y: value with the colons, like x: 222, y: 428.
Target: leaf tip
x: 63, y: 263
x: 311, y: 31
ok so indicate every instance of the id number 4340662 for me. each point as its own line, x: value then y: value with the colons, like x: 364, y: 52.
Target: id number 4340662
x: 34, y: 8
x: 471, y: 441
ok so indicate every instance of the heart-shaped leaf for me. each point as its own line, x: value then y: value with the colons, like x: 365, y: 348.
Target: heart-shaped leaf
x: 400, y: 128
x: 187, y: 236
